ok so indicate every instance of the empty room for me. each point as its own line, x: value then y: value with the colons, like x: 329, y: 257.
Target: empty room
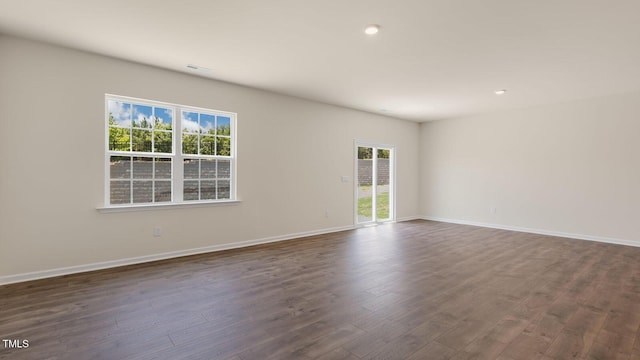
x: 240, y: 180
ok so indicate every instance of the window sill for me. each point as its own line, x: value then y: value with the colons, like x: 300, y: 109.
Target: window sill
x: 144, y: 207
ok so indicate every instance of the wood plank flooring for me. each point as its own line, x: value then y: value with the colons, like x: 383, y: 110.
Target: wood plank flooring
x: 412, y: 290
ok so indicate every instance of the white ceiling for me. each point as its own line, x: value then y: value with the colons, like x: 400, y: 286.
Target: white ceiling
x: 432, y: 59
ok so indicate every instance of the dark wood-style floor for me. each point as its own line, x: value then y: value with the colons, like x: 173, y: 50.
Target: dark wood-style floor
x: 413, y: 290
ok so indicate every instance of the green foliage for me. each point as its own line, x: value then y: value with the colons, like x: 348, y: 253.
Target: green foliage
x: 138, y: 138
x: 383, y: 154
x: 224, y: 130
x: 382, y: 209
x: 367, y: 153
x: 365, y: 205
x: 162, y: 141
x: 223, y: 146
x: 189, y: 143
x: 212, y: 142
x: 207, y: 145
x: 141, y: 140
x: 127, y: 139
x: 119, y: 138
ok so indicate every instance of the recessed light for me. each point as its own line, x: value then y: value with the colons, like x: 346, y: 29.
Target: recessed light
x: 372, y: 29
x: 501, y: 92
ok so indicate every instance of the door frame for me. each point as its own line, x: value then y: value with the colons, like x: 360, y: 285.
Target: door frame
x: 392, y: 181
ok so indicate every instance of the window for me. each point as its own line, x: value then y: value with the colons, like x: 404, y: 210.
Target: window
x: 206, y: 149
x: 165, y: 153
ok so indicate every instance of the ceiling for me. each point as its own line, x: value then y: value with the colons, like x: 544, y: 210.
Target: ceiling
x: 432, y: 59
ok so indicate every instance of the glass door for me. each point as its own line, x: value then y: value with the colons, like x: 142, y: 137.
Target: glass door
x: 374, y: 183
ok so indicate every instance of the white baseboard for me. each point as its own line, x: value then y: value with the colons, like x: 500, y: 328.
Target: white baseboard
x: 408, y: 218
x: 537, y: 231
x: 10, y: 279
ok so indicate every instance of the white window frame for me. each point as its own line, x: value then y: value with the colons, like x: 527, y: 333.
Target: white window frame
x: 176, y: 155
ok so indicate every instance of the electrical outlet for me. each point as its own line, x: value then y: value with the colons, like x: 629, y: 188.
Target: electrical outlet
x: 157, y: 231
x: 326, y: 212
x: 345, y: 179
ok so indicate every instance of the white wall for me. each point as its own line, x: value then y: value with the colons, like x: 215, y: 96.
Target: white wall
x: 570, y: 168
x: 291, y: 155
